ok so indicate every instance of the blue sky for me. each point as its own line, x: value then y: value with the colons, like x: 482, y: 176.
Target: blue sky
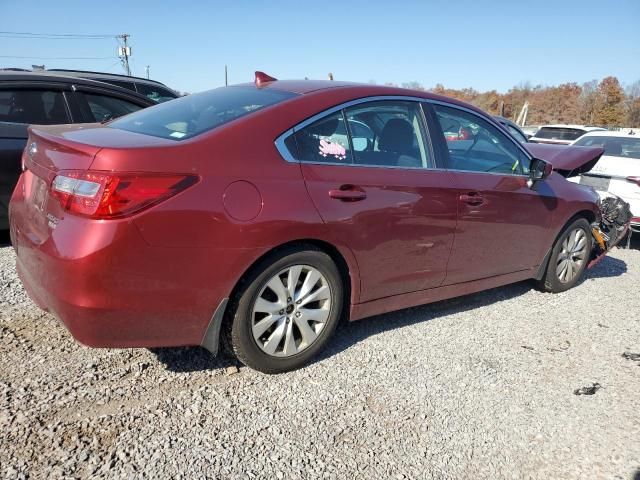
x: 480, y: 44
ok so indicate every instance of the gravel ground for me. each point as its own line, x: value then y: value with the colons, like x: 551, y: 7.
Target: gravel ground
x: 477, y: 387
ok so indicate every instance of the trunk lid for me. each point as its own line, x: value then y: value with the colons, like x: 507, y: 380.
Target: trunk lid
x: 569, y: 160
x: 48, y: 151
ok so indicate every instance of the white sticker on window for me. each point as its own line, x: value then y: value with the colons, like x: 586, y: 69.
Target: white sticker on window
x: 335, y: 149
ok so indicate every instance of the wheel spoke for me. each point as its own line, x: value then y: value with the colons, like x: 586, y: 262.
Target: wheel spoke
x: 308, y: 334
x: 562, y: 266
x: 569, y: 274
x: 264, y: 325
x: 266, y: 306
x: 321, y: 293
x: 309, y: 282
x: 292, y: 279
x: 276, y: 285
x: 315, y: 314
x: 289, y: 341
x: 274, y: 340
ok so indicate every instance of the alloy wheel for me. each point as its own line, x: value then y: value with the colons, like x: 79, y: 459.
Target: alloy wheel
x: 572, y: 255
x: 291, y: 310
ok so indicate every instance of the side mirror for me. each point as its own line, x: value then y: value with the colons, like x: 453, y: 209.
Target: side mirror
x: 539, y: 170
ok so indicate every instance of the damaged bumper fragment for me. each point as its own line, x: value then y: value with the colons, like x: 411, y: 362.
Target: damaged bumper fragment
x: 614, y: 225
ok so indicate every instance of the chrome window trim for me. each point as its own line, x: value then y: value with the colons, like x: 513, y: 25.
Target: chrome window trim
x: 286, y: 155
x: 284, y: 152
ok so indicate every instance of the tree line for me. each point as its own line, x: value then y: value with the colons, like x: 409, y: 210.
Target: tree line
x: 603, y: 103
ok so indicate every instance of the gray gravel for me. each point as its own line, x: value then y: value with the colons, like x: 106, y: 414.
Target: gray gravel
x: 477, y: 387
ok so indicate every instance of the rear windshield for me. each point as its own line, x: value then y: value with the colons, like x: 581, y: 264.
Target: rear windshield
x: 559, y: 133
x: 614, y: 146
x: 188, y: 116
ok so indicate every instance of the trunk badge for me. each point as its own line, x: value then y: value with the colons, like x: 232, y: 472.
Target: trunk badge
x: 33, y: 149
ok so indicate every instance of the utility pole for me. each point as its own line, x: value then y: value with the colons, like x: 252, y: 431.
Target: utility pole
x: 125, y: 52
x: 225, y: 76
x: 147, y: 69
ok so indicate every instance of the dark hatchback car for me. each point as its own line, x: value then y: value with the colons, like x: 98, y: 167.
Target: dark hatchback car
x: 34, y: 98
x: 262, y: 213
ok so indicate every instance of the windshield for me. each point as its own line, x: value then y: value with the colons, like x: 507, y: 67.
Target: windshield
x: 559, y: 133
x: 614, y: 146
x: 188, y: 116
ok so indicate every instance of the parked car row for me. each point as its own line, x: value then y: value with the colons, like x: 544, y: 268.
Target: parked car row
x: 174, y: 229
x: 616, y: 173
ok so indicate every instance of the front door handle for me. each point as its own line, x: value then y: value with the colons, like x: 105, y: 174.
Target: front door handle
x: 472, y: 198
x: 348, y: 193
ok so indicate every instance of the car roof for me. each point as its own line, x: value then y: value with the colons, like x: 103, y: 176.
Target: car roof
x: 563, y: 125
x: 609, y: 133
x: 304, y: 87
x: 14, y: 76
x: 112, y: 76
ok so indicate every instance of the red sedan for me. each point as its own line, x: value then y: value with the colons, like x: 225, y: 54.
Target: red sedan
x: 266, y: 212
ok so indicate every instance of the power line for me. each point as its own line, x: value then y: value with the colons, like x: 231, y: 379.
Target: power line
x: 61, y: 36
x: 56, y: 58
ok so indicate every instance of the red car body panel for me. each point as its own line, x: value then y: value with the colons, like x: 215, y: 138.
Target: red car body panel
x: 157, y: 277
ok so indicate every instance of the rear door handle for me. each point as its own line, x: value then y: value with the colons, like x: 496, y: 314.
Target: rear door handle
x: 348, y: 193
x: 472, y: 198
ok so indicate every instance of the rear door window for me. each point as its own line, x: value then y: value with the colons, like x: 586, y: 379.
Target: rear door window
x: 559, y: 133
x: 33, y: 106
x: 378, y: 134
x: 99, y: 107
x: 389, y: 134
x: 324, y: 141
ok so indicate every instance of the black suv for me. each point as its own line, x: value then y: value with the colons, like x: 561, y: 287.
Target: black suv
x: 156, y: 91
x: 44, y: 99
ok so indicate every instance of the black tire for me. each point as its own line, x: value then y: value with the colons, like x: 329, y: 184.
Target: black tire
x: 550, y: 281
x: 240, y: 319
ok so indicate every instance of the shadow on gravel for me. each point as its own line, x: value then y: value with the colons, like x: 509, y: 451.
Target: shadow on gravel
x: 5, y: 241
x: 192, y: 359
x: 608, y: 267
x: 350, y: 333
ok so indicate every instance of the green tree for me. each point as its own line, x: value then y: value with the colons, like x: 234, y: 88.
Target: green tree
x: 609, y: 109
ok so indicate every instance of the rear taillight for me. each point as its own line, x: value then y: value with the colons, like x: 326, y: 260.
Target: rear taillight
x: 115, y: 195
x: 635, y: 180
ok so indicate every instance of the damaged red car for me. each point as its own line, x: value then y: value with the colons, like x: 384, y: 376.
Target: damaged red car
x: 263, y: 213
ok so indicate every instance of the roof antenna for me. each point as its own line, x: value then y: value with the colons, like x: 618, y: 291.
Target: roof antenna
x: 262, y: 78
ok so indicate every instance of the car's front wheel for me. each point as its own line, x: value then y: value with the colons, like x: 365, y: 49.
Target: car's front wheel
x: 287, y: 311
x: 569, y: 257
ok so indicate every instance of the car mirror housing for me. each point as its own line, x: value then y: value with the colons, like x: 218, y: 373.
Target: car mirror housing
x: 539, y: 170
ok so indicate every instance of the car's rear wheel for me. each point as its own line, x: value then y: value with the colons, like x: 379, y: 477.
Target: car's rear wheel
x: 569, y: 257
x: 287, y: 310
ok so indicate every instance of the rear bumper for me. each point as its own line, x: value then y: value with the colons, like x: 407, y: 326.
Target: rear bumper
x: 111, y: 289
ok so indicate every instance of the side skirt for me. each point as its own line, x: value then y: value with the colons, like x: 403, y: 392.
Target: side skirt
x: 406, y: 300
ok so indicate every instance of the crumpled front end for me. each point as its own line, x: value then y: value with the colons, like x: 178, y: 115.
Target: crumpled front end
x: 612, y: 227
